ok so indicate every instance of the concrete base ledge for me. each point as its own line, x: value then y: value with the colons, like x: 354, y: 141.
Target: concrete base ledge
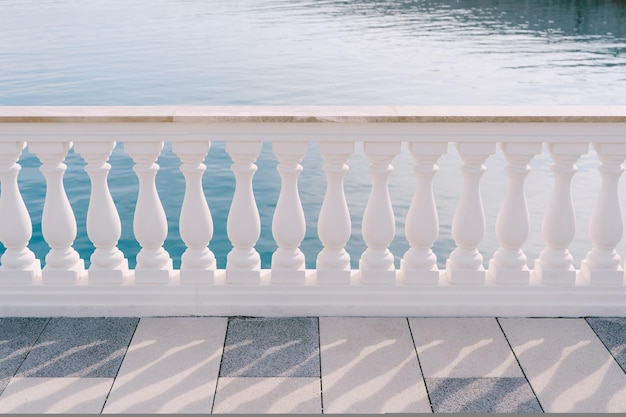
x: 311, y: 300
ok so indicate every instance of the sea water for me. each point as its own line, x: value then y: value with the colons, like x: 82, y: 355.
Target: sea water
x: 306, y: 52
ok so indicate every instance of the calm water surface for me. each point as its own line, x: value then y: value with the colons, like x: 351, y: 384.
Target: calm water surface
x: 358, y: 52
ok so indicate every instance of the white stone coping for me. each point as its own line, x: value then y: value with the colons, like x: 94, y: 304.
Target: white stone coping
x: 312, y: 114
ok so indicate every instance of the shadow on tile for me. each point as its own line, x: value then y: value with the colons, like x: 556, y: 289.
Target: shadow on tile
x: 482, y: 395
x: 271, y: 347
x: 268, y: 395
x: 79, y: 347
x: 612, y: 333
x: 17, y: 335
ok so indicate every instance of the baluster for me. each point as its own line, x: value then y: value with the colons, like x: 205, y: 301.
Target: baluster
x: 465, y: 265
x: 58, y: 224
x: 334, y: 226
x: 603, y: 264
x: 419, y: 264
x: 555, y: 263
x: 108, y: 265
x: 288, y: 224
x: 195, y: 224
x: 508, y: 265
x: 19, y: 265
x: 154, y: 265
x: 243, y: 263
x: 379, y: 223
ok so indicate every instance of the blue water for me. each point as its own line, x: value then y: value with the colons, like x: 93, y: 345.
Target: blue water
x: 262, y: 52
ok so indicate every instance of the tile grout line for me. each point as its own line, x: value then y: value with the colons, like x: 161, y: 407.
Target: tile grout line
x: 520, y: 365
x: 120, y: 367
x: 419, y: 363
x: 603, y: 344
x: 217, y: 381
x: 319, y: 353
x: 30, y: 349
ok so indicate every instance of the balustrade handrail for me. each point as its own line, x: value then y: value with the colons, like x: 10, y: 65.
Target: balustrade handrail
x: 314, y: 123
x: 511, y: 285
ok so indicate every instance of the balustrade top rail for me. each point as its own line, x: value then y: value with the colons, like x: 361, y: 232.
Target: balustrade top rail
x: 315, y: 123
x: 313, y: 114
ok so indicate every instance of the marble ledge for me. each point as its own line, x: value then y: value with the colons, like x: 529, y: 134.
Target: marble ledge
x: 312, y: 114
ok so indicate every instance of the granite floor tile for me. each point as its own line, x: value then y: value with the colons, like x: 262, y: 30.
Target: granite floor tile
x: 171, y: 367
x: 369, y: 365
x: 17, y: 335
x: 463, y: 348
x: 568, y: 367
x: 55, y: 395
x: 612, y: 333
x: 482, y: 395
x: 277, y: 395
x: 79, y: 347
x: 271, y: 347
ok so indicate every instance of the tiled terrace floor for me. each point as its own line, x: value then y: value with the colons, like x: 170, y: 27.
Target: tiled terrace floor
x: 312, y: 365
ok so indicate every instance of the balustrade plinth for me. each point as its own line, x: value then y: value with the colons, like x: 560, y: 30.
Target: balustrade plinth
x: 27, y: 277
x: 288, y: 276
x: 333, y: 277
x: 465, y: 276
x: 503, y: 276
x: 243, y: 277
x: 559, y: 277
x: 594, y: 276
x: 197, y: 277
x: 109, y: 276
x: 74, y: 276
x: 419, y: 277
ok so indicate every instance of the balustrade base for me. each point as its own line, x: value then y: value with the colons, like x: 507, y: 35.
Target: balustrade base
x: 266, y: 299
x: 465, y: 276
x: 288, y: 276
x: 601, y: 276
x: 333, y: 277
x: 77, y: 275
x: 9, y: 277
x: 378, y: 277
x: 145, y: 276
x: 557, y: 277
x: 498, y: 276
x: 418, y: 277
x: 109, y: 276
x: 243, y: 277
x: 197, y: 277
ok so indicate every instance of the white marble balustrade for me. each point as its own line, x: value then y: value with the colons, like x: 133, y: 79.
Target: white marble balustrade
x: 505, y: 282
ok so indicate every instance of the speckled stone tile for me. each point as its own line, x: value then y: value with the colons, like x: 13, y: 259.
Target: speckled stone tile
x: 55, y: 395
x: 17, y: 335
x: 171, y: 367
x: 79, y: 347
x: 568, y: 367
x: 271, y: 347
x: 268, y: 396
x: 612, y: 333
x: 482, y: 395
x: 463, y: 348
x: 369, y: 365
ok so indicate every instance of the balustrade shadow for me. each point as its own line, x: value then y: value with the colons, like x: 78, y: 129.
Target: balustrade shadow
x: 569, y: 369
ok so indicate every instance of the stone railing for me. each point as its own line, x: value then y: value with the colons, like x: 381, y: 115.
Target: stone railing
x: 512, y: 285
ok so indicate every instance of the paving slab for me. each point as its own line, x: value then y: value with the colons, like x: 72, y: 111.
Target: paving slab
x: 271, y: 347
x: 268, y: 395
x: 482, y: 395
x: 55, y: 395
x: 17, y: 335
x: 369, y: 365
x: 171, y: 366
x: 612, y: 333
x: 568, y: 367
x: 79, y: 347
x: 463, y: 348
